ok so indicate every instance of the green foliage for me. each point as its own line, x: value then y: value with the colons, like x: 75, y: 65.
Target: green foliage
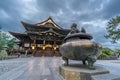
x: 3, y: 56
x: 107, y: 52
x: 117, y: 51
x: 3, y: 38
x: 10, y: 45
x: 113, y: 29
x: 103, y: 55
x: 6, y: 40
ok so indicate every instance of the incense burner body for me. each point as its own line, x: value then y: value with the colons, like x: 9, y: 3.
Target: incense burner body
x: 79, y: 46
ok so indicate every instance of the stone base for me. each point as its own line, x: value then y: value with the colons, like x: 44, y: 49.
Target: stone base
x: 80, y: 72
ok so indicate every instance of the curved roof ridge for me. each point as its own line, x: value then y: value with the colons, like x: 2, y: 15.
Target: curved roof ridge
x: 49, y: 20
x: 51, y: 30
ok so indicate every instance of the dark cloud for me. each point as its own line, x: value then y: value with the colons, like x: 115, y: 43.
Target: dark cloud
x: 90, y: 14
x: 10, y: 12
x: 51, y: 5
x: 111, y: 9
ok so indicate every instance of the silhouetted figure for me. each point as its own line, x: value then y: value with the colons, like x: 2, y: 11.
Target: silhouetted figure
x: 74, y: 29
x: 83, y: 30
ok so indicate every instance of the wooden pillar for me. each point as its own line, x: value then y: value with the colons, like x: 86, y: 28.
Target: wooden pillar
x: 34, y: 42
x: 44, y: 42
x: 33, y: 48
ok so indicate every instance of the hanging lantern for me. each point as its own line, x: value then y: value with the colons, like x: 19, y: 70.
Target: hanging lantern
x: 43, y: 47
x: 55, y: 48
x: 33, y: 47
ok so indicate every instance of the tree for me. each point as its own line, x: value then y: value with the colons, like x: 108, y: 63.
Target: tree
x: 3, y: 39
x: 10, y: 45
x: 117, y: 51
x: 113, y: 29
x: 6, y: 40
x: 107, y: 51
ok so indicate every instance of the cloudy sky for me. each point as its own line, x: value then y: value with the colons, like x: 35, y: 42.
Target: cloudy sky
x: 93, y: 15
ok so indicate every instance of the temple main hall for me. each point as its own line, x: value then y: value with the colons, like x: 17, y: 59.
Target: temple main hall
x: 41, y: 39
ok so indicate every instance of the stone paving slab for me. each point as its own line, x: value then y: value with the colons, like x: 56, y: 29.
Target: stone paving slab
x: 33, y: 69
x: 6, y: 66
x: 44, y: 68
x: 13, y: 74
x: 106, y: 77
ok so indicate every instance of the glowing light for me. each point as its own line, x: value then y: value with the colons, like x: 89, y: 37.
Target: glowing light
x: 48, y: 45
x: 54, y: 48
x: 33, y: 47
x: 43, y: 47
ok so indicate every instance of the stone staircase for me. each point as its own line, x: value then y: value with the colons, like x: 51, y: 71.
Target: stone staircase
x: 38, y: 53
x: 47, y: 53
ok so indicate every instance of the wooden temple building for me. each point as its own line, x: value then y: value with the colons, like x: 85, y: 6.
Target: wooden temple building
x: 41, y: 39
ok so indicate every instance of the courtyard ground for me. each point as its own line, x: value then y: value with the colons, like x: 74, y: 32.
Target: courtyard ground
x: 43, y: 68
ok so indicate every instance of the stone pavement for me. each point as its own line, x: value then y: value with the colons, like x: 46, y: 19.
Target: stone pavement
x: 30, y: 69
x: 43, y: 68
x: 113, y: 66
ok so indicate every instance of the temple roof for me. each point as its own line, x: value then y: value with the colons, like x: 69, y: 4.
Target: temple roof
x: 34, y: 29
x: 63, y: 32
x: 46, y: 30
x: 52, y: 31
x: 20, y: 36
x: 49, y: 23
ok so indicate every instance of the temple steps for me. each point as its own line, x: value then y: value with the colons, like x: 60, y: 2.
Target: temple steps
x: 40, y: 53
